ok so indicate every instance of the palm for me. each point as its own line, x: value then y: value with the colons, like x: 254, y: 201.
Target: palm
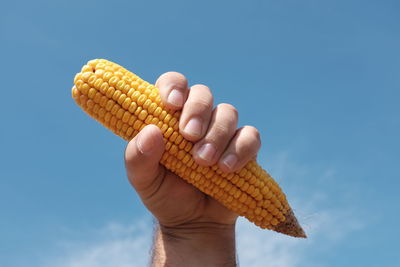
x: 176, y: 202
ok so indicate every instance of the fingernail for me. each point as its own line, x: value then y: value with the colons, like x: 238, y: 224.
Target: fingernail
x: 145, y: 145
x: 193, y: 127
x: 175, y: 98
x: 207, y: 152
x: 230, y: 161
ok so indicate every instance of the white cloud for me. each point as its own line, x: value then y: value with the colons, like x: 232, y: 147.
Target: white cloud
x: 123, y: 245
x: 325, y: 230
x: 116, y: 245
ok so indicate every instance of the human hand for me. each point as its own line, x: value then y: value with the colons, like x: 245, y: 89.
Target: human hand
x: 181, y: 209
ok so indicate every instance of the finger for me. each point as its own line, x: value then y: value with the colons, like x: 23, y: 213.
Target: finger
x: 196, y: 113
x: 173, y: 88
x: 221, y: 130
x: 242, y: 148
x: 142, y: 156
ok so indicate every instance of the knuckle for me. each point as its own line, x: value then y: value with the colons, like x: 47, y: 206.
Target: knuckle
x: 220, y: 130
x: 201, y: 97
x: 200, y: 86
x: 172, y: 78
x: 204, y: 89
x: 228, y: 108
x: 177, y: 76
x: 253, y: 133
x: 174, y: 75
x: 201, y: 104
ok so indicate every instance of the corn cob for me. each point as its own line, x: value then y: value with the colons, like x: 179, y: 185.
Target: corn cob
x: 125, y: 104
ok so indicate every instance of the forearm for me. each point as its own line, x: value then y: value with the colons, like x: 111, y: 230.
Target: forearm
x: 194, y: 245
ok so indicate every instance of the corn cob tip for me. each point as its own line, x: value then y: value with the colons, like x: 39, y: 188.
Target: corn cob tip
x: 290, y: 226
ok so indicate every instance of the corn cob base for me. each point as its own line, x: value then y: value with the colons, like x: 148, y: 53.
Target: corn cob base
x: 125, y: 104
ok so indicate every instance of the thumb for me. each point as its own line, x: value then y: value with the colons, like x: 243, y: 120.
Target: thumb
x: 142, y: 156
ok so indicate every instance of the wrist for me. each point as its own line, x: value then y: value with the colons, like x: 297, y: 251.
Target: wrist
x: 195, y: 244
x: 196, y: 231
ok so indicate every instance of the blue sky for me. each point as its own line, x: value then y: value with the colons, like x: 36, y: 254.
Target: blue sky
x: 320, y: 79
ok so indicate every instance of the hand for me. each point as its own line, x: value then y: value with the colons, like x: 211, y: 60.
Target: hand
x: 180, y: 208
